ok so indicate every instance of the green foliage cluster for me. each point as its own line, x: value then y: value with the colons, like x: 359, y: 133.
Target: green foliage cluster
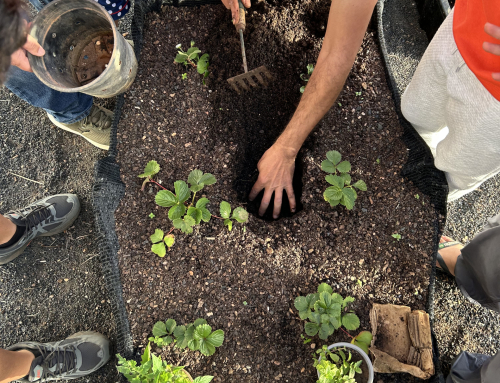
x: 336, y: 366
x: 326, y: 311
x: 195, y: 336
x: 155, y: 370
x: 192, y: 57
x: 185, y: 212
x: 341, y: 192
x: 310, y: 68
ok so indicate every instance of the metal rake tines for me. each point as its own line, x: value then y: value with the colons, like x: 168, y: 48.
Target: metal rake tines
x: 261, y: 74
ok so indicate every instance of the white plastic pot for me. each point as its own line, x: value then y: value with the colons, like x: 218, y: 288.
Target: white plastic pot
x: 366, y: 359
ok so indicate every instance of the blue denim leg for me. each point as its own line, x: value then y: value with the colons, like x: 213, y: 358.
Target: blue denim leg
x: 66, y: 108
x: 39, y: 4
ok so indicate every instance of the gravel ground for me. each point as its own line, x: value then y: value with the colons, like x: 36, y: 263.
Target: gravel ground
x: 55, y: 288
x: 459, y: 325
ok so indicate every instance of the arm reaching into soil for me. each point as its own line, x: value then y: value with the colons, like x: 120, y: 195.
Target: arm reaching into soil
x: 234, y: 7
x: 347, y: 24
x: 493, y: 31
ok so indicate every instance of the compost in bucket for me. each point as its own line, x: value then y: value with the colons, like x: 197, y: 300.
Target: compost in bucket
x: 94, y: 58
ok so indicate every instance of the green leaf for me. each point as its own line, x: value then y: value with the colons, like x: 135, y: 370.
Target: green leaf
x: 181, y: 58
x: 171, y: 324
x: 315, y: 317
x: 193, y: 53
x: 147, y: 354
x: 216, y: 338
x: 208, y: 179
x: 195, y: 177
x: 157, y: 236
x: 195, y: 213
x: 202, y: 331
x: 151, y: 169
x: 181, y: 191
x: 206, y: 348
x: 312, y: 298
x: 225, y: 209
x: 335, y: 181
x: 185, y: 225
x: 199, y: 322
x: 332, y: 193
x: 169, y: 240
x: 360, y: 185
x: 203, y: 64
x: 229, y: 224
x: 348, y: 197
x: 363, y: 341
x: 179, y: 331
x: 151, y: 215
x: 324, y: 331
x: 240, y: 215
x: 334, y: 156
x: 203, y: 379
x: 335, y: 321
x: 334, y: 310
x: 334, y: 202
x: 344, y: 167
x: 202, y: 202
x: 328, y: 166
x: 346, y: 178
x: 310, y: 68
x: 177, y: 211
x: 205, y: 214
x: 301, y: 304
x: 302, y: 89
x: 165, y: 198
x: 346, y: 301
x: 160, y: 329
x: 337, y: 298
x: 311, y: 329
x: 304, y: 314
x: 159, y: 249
x: 325, y: 298
x: 193, y: 344
x: 350, y: 321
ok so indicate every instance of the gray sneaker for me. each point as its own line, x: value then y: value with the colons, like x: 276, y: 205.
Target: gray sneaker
x: 49, y: 216
x: 76, y: 356
x: 95, y: 128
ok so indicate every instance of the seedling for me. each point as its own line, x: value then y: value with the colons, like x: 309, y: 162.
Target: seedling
x: 336, y: 366
x: 151, y: 215
x: 191, y: 57
x: 197, y: 336
x: 417, y: 196
x: 305, y: 340
x: 184, y: 76
x: 378, y: 161
x: 358, y: 94
x: 310, y: 68
x: 184, y: 211
x: 154, y: 369
x: 340, y: 104
x: 396, y: 236
x: 341, y: 192
x: 245, y: 303
x: 327, y: 312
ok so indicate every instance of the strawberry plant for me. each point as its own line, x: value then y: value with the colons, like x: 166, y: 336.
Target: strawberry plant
x: 155, y: 370
x: 197, y: 336
x: 184, y: 211
x: 310, y: 68
x: 341, y: 192
x: 363, y: 341
x: 336, y: 367
x: 326, y: 311
x: 192, y: 57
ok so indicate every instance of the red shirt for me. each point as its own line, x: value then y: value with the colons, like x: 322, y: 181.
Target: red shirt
x: 468, y: 29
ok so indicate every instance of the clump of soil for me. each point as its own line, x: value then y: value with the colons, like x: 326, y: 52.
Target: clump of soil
x: 267, y: 264
x: 94, y: 58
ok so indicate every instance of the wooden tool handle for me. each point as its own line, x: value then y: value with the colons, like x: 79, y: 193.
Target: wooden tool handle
x: 241, y: 24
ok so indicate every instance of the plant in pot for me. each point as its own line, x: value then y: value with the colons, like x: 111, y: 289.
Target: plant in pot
x: 343, y: 363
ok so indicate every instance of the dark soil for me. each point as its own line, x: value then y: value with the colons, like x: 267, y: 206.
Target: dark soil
x: 94, y: 58
x: 185, y: 125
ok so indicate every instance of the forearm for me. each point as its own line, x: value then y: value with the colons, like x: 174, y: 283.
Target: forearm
x: 347, y: 24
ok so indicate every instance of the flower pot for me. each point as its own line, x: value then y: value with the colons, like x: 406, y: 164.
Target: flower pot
x: 355, y: 350
x: 84, y: 52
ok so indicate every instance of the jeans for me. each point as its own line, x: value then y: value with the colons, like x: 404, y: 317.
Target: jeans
x: 66, y: 108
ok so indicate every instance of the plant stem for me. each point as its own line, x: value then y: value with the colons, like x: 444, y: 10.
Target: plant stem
x: 192, y: 202
x: 171, y: 230
x: 157, y: 184
x: 350, y: 336
x: 192, y: 63
x: 217, y: 217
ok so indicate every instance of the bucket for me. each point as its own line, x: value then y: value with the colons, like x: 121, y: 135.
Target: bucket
x: 366, y: 359
x: 84, y: 52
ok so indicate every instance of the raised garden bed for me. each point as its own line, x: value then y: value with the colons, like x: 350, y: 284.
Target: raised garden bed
x: 245, y: 281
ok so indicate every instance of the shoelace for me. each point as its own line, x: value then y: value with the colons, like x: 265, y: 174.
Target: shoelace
x: 96, y: 118
x: 67, y: 365
x: 37, y: 214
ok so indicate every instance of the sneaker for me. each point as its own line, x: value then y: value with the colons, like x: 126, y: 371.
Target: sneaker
x: 95, y: 128
x: 76, y: 356
x: 49, y: 216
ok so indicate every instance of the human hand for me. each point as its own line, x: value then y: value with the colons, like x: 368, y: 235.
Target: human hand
x: 493, y: 31
x: 276, y: 169
x: 234, y: 7
x: 19, y: 58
